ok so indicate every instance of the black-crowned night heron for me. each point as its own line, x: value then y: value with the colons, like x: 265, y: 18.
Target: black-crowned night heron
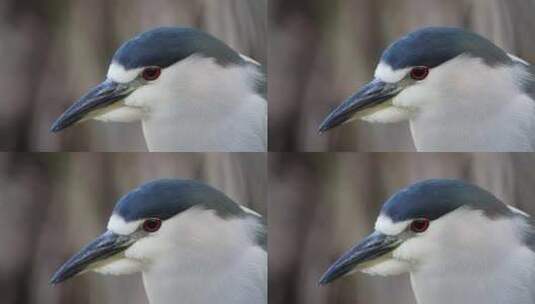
x: 459, y: 243
x: 190, y: 91
x: 191, y: 242
x: 458, y: 90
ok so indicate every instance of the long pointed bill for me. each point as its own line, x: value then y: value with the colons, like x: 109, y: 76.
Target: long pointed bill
x: 98, y: 98
x: 373, y: 247
x: 371, y: 95
x: 102, y: 248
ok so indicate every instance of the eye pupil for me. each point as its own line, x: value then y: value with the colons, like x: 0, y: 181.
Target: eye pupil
x: 152, y: 225
x: 419, y: 225
x: 151, y: 73
x: 419, y: 73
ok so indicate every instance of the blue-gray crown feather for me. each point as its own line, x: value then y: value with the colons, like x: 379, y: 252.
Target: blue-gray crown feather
x: 166, y: 198
x: 433, y: 46
x: 434, y: 198
x: 165, y: 46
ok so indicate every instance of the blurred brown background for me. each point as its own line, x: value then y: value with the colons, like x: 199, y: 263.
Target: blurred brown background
x: 53, y: 51
x: 53, y: 204
x: 322, y: 204
x: 321, y: 51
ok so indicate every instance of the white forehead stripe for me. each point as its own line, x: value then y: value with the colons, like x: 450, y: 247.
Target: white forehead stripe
x: 385, y: 72
x: 385, y: 225
x: 118, y: 225
x: 118, y: 73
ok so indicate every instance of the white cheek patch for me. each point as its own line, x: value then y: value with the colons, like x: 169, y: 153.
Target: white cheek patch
x: 118, y: 267
x: 118, y: 73
x: 122, y: 114
x: 118, y: 225
x: 387, y: 115
x: 385, y: 225
x: 192, y: 236
x: 387, y: 74
x: 387, y: 268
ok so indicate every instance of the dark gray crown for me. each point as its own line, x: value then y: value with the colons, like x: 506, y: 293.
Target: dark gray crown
x: 433, y: 46
x: 166, y: 198
x: 165, y: 46
x: 436, y: 197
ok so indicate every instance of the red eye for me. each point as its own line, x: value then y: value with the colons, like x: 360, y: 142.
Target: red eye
x: 152, y: 225
x: 419, y: 225
x: 151, y: 73
x: 419, y: 73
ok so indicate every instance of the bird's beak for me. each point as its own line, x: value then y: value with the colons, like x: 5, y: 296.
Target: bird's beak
x: 97, y: 100
x: 104, y: 248
x: 369, y: 97
x: 361, y: 256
